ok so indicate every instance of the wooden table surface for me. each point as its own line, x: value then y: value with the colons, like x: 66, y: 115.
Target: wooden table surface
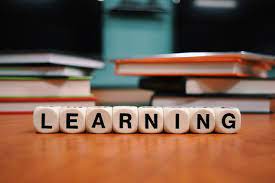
x: 26, y: 156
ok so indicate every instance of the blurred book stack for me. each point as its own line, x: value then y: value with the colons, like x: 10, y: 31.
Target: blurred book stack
x: 232, y: 79
x: 32, y: 79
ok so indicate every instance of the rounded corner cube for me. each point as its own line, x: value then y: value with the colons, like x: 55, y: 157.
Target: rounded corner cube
x: 125, y: 119
x: 150, y: 119
x: 99, y: 119
x: 132, y: 119
x: 46, y: 119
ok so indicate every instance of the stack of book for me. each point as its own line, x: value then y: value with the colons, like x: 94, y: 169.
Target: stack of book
x: 28, y: 80
x: 235, y: 79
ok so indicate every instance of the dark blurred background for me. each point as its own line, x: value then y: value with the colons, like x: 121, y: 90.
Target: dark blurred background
x: 225, y: 25
x: 51, y: 25
x: 130, y: 28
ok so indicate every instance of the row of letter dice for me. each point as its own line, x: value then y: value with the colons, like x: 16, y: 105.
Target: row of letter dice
x: 130, y: 119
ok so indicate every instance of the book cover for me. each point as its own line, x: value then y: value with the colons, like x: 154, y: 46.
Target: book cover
x: 49, y: 59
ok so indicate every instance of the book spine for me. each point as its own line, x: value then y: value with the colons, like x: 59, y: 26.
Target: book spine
x: 168, y: 84
x: 48, y: 99
x: 15, y: 112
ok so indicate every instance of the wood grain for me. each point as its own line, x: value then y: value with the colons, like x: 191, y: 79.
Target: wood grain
x: 26, y: 156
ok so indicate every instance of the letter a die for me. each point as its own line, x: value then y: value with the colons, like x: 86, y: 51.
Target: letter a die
x: 125, y: 119
x: 72, y: 119
x: 176, y: 119
x: 228, y: 120
x: 99, y: 119
x: 46, y: 119
x: 202, y: 120
x: 150, y: 119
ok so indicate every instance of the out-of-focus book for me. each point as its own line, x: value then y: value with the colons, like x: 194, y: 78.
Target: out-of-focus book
x: 246, y: 103
x: 41, y: 86
x: 208, y: 79
x: 240, y: 64
x: 47, y: 71
x: 251, y: 95
x: 10, y: 105
x: 210, y: 85
x: 122, y: 96
x: 38, y: 59
x: 31, y: 79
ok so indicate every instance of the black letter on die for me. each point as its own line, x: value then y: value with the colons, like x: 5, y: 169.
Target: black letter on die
x: 100, y: 122
x: 43, y: 123
x: 205, y: 123
x: 177, y: 121
x: 122, y: 120
x: 69, y: 120
x: 153, y: 123
x: 233, y: 122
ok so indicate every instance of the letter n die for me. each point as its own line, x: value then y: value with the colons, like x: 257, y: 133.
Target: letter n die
x: 202, y: 120
x: 150, y: 119
x: 228, y: 120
